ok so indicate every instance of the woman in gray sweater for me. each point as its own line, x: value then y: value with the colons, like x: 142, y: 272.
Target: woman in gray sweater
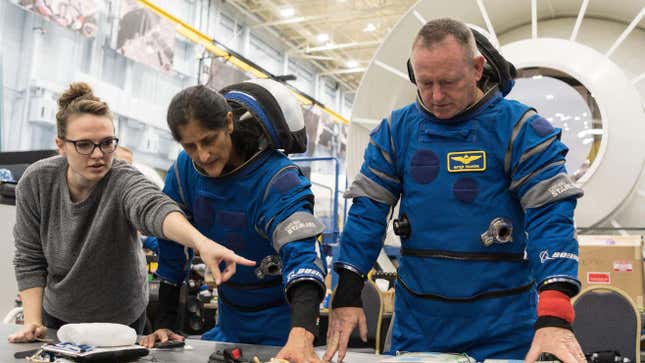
x: 77, y: 255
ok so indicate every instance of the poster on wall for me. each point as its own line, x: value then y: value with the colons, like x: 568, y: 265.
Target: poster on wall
x: 145, y: 37
x: 326, y: 136
x: 341, y: 152
x: 78, y: 15
x: 222, y: 74
x: 311, y: 125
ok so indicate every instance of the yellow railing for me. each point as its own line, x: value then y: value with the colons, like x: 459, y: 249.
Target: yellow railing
x: 197, y: 37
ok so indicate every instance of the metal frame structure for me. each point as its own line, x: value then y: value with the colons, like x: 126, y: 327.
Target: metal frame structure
x: 335, y: 231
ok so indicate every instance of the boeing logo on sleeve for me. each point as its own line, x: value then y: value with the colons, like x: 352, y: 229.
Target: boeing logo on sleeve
x: 544, y: 256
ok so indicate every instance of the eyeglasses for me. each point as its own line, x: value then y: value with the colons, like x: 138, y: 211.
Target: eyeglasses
x: 86, y: 147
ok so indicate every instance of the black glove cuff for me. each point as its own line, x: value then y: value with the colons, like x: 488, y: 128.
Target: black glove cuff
x: 348, y: 292
x: 551, y: 322
x: 305, y: 304
x: 168, y: 306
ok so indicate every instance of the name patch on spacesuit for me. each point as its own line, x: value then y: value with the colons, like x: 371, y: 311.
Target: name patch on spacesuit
x: 560, y: 188
x: 294, y: 226
x: 461, y: 161
x: 298, y: 226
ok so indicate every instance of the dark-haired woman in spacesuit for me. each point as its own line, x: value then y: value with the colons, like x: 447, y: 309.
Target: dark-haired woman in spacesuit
x: 244, y: 193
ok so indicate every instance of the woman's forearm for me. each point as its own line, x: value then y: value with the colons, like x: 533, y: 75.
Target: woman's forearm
x: 32, y: 304
x: 177, y: 228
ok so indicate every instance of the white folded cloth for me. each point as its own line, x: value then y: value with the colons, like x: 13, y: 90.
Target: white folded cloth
x: 97, y: 334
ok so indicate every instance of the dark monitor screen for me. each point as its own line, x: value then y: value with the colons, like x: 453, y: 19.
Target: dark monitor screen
x: 18, y: 161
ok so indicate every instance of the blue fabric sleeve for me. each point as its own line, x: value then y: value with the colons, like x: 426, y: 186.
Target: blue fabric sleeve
x: 363, y: 235
x: 364, y: 231
x: 288, y: 193
x: 552, y: 248
x: 538, y: 168
x: 174, y: 258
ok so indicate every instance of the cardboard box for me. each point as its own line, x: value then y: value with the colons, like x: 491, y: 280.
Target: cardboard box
x: 612, y: 260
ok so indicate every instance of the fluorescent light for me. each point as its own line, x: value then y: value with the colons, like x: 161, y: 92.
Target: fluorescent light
x: 322, y: 37
x: 369, y: 28
x: 351, y: 64
x: 537, y: 76
x: 549, y: 97
x: 287, y: 12
x: 590, y: 132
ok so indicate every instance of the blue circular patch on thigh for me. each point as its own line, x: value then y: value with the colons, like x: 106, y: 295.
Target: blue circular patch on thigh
x: 466, y: 189
x: 424, y: 166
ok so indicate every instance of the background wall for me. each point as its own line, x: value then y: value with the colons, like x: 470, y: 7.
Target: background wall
x: 593, y: 45
x: 41, y: 58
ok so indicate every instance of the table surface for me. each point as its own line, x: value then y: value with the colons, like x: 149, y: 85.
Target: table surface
x: 197, y: 351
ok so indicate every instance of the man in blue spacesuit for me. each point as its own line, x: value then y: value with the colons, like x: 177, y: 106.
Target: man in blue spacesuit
x: 485, y: 218
x: 244, y: 193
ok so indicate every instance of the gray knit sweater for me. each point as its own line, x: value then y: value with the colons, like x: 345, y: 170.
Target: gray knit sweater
x: 86, y: 254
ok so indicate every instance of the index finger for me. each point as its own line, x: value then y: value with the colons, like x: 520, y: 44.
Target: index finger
x: 576, y: 352
x: 25, y: 337
x: 332, y: 345
x: 241, y: 260
x: 175, y: 336
x: 163, y: 336
x: 145, y: 341
x: 533, y: 354
x: 343, y: 343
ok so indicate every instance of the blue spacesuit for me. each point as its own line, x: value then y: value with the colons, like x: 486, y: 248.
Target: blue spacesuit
x: 486, y: 218
x: 263, y: 210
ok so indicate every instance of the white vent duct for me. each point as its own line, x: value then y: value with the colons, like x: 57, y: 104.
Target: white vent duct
x: 598, y: 45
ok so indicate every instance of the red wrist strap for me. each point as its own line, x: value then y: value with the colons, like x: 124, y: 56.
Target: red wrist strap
x: 555, y: 303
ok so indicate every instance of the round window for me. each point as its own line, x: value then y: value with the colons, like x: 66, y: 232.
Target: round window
x: 568, y: 105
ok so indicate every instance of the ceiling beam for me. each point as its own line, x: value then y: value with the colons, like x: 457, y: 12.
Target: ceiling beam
x: 299, y: 19
x: 489, y: 25
x: 239, y: 5
x: 534, y: 19
x: 328, y: 47
x: 625, y: 33
x: 344, y: 71
x: 332, y: 17
x: 313, y: 57
x: 581, y: 15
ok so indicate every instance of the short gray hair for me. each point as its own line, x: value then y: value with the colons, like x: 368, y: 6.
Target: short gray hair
x: 435, y: 31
